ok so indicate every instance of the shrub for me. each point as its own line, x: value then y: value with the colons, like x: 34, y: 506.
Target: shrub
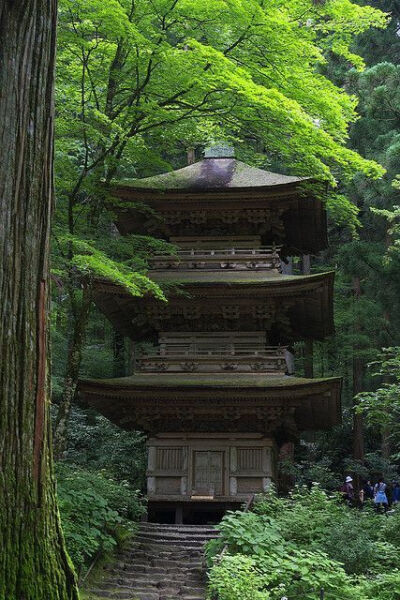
x: 236, y: 577
x: 385, y: 586
x: 96, y: 512
x: 292, y: 547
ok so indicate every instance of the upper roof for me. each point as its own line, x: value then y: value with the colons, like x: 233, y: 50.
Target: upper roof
x: 304, y: 302
x: 212, y: 174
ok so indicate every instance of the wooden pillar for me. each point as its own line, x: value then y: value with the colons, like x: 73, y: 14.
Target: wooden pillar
x: 308, y: 344
x: 184, y: 478
x: 289, y: 357
x: 287, y: 267
x: 233, y: 470
x: 267, y: 468
x: 151, y: 466
x: 119, y: 355
x: 179, y: 514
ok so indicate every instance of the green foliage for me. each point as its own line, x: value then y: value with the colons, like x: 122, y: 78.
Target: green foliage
x: 96, y: 512
x: 236, y: 577
x: 137, y: 76
x: 295, y: 546
x: 382, y: 406
x: 92, y: 262
x: 97, y: 444
x: 385, y: 586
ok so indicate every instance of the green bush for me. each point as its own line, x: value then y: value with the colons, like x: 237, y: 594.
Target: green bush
x: 236, y: 578
x: 385, y: 586
x: 294, y: 546
x: 96, y: 512
x: 350, y: 545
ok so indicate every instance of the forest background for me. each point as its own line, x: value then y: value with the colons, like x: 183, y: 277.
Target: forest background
x: 302, y: 87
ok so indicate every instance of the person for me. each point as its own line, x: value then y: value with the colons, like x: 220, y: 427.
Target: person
x: 396, y: 492
x: 380, y: 497
x: 368, y: 489
x: 348, y: 490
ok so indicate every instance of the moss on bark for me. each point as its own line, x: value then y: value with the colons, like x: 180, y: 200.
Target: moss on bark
x: 33, y: 561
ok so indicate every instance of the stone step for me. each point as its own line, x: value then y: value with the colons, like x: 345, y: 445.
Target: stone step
x: 158, y: 583
x: 176, y: 527
x: 147, y: 550
x: 152, y: 570
x: 163, y: 562
x: 141, y: 588
x: 157, y: 576
x: 175, y: 535
x: 171, y: 540
x: 140, y: 554
x: 125, y: 595
x: 192, y: 591
x: 166, y: 544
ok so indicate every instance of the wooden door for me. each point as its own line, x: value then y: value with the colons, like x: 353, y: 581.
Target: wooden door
x: 208, y: 472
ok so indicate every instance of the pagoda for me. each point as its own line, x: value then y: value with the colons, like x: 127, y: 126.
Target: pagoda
x: 215, y: 390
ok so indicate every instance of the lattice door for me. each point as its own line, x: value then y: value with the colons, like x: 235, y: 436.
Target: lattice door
x: 208, y: 472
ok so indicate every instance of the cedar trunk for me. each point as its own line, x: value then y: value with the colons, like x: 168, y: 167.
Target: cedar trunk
x: 79, y: 320
x: 33, y: 561
x: 358, y: 373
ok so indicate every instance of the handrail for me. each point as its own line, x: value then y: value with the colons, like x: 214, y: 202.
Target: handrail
x: 223, y: 350
x: 262, y: 251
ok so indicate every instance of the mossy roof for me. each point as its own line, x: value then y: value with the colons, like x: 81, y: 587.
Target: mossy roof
x: 199, y: 277
x: 211, y: 173
x: 211, y: 380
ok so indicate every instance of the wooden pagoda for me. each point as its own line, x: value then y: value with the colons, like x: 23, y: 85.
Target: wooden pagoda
x: 216, y: 393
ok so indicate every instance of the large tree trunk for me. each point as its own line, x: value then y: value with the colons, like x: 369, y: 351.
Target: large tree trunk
x: 358, y: 374
x: 79, y: 321
x: 33, y: 561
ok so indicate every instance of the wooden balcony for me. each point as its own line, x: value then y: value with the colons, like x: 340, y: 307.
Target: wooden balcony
x: 265, y: 258
x: 270, y: 360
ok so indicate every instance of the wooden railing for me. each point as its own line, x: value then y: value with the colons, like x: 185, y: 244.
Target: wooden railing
x: 267, y: 258
x: 208, y: 359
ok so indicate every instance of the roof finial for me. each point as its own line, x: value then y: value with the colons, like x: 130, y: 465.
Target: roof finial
x: 219, y: 150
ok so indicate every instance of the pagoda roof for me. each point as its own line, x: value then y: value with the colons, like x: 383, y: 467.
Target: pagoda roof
x: 197, y: 199
x: 212, y: 174
x: 240, y: 277
x: 228, y: 401
x: 308, y: 299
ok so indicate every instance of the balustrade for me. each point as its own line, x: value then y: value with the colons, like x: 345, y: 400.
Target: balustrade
x: 264, y: 258
x: 218, y: 358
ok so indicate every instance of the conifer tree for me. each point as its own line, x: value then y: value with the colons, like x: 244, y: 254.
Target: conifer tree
x: 33, y: 560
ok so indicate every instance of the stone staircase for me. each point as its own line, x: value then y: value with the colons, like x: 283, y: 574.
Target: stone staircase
x: 163, y: 562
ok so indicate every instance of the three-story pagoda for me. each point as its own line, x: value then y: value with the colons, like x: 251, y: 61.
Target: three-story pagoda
x: 216, y: 395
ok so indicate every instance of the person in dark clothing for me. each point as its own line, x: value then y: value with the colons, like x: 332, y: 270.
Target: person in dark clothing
x: 368, y: 489
x: 395, y: 493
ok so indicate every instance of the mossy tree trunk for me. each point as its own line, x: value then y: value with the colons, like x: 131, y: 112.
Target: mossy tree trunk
x: 33, y: 561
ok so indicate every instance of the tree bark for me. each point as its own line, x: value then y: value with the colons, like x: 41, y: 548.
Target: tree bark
x: 358, y: 373
x: 33, y: 561
x: 76, y: 340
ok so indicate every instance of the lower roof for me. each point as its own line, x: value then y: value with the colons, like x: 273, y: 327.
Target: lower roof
x: 169, y: 402
x: 204, y: 380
